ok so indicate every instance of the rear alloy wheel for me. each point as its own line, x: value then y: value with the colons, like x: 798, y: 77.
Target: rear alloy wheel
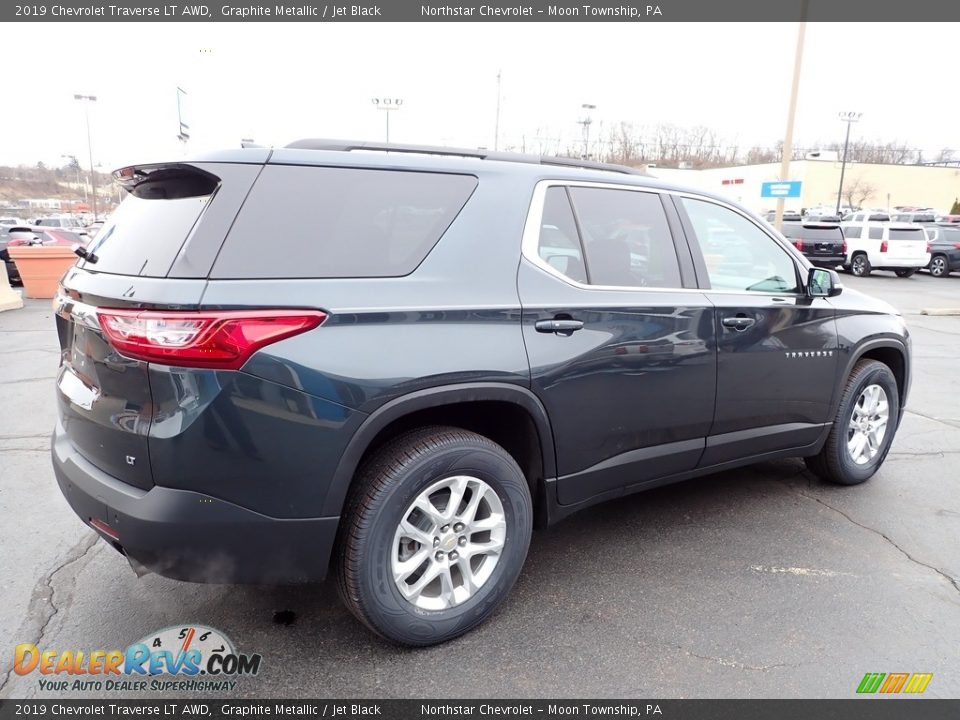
x: 863, y: 428
x: 859, y: 265
x: 434, y: 534
x: 939, y: 266
x: 905, y: 272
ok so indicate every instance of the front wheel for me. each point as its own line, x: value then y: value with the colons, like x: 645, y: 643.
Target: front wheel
x: 863, y: 427
x: 434, y: 535
x: 859, y: 265
x: 905, y: 272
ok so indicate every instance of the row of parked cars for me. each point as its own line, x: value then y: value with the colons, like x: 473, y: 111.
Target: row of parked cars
x: 65, y: 230
x: 865, y: 240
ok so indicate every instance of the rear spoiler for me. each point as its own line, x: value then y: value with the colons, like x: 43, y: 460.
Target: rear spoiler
x: 167, y: 181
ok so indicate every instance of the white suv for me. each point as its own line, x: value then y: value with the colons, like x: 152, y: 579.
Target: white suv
x: 873, y: 245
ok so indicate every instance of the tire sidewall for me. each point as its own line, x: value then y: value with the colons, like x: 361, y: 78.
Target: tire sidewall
x: 387, y: 606
x: 878, y: 375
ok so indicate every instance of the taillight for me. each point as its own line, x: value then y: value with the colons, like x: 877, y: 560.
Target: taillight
x: 798, y: 244
x: 929, y: 246
x: 844, y: 247
x: 883, y: 246
x: 956, y: 246
x: 217, y: 340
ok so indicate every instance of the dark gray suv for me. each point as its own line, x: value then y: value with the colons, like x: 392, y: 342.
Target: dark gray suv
x: 431, y: 352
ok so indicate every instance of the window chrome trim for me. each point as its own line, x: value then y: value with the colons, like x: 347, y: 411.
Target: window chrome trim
x: 531, y: 238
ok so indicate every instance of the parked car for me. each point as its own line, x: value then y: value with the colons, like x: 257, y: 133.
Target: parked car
x: 821, y: 243
x: 948, y: 219
x: 867, y: 216
x: 788, y: 216
x: 68, y: 222
x: 23, y: 235
x: 914, y: 217
x: 944, y: 250
x: 823, y: 218
x: 900, y: 247
x: 404, y: 381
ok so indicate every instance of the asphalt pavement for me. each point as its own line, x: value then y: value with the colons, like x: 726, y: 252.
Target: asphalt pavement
x: 760, y: 582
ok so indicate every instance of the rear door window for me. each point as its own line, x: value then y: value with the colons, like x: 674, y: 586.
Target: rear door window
x: 559, y: 244
x: 325, y: 222
x: 852, y: 232
x: 875, y: 233
x: 626, y: 238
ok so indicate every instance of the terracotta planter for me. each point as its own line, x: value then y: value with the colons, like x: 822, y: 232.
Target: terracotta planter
x: 41, y: 267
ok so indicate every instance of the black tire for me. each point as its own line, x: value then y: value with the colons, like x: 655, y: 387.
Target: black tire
x: 860, y: 265
x: 385, y: 487
x: 905, y: 272
x: 834, y: 463
x: 939, y: 266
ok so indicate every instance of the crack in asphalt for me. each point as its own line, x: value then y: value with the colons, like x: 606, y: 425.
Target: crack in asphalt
x: 949, y: 423
x: 46, y: 378
x: 945, y: 575
x: 736, y: 663
x: 42, y: 607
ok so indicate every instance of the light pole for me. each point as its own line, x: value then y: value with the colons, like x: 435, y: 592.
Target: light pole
x: 849, y: 118
x: 93, y: 173
x: 586, y: 122
x: 388, y: 105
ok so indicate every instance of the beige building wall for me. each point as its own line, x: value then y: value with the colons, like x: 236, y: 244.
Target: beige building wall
x: 890, y: 185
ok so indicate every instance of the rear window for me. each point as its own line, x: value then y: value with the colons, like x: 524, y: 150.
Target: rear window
x: 322, y: 222
x: 907, y: 234
x: 145, y: 233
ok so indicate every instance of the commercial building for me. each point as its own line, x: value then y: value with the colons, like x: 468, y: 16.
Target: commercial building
x: 874, y: 185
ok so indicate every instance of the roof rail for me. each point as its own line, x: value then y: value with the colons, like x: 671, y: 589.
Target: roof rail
x: 347, y: 146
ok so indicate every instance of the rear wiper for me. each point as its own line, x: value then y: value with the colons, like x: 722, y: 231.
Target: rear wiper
x: 82, y: 252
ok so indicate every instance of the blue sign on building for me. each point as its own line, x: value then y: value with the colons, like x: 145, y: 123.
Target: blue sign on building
x: 781, y: 189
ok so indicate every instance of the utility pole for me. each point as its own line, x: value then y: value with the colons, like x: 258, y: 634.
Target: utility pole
x: 93, y: 173
x: 496, y: 126
x: 792, y: 112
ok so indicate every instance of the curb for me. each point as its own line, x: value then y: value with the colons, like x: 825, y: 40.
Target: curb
x: 940, y: 311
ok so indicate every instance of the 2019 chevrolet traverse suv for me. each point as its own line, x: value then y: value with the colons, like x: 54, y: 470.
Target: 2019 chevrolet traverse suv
x: 437, y: 350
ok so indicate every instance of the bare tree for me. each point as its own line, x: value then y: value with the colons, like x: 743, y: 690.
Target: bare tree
x: 857, y: 190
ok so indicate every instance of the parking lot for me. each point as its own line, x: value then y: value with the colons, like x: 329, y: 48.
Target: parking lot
x: 760, y: 582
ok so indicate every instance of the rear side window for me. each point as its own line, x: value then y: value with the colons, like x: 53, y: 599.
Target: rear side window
x: 852, y: 232
x: 322, y: 222
x: 875, y: 233
x: 144, y: 235
x: 626, y: 238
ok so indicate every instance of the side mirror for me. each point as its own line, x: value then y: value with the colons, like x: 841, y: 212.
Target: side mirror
x: 823, y: 283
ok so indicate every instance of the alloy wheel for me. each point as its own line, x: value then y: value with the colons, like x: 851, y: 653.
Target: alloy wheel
x: 868, y: 424
x: 448, y: 542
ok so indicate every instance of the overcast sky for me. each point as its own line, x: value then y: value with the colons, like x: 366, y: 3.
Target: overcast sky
x: 278, y: 82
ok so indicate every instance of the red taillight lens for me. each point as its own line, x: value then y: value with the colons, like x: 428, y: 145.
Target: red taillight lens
x: 844, y: 247
x: 956, y: 246
x: 928, y: 246
x: 798, y: 244
x: 883, y: 246
x: 217, y: 340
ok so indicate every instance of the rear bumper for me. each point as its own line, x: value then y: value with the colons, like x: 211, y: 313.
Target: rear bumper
x: 191, y: 536
x: 827, y: 261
